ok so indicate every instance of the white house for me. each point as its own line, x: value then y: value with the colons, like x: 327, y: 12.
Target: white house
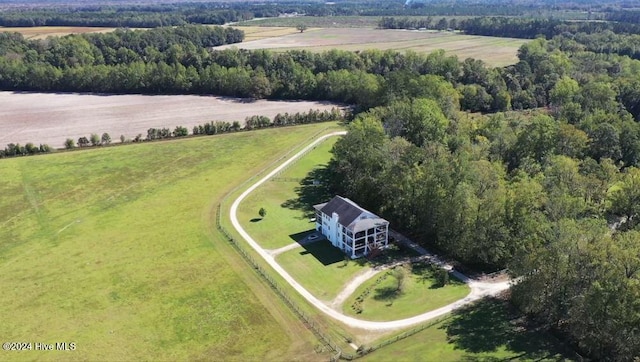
x: 351, y: 228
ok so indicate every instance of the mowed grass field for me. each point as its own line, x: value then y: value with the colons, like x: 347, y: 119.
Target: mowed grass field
x: 494, y: 51
x: 42, y: 32
x: 115, y: 250
x: 286, y: 217
x: 319, y: 267
x: 420, y: 293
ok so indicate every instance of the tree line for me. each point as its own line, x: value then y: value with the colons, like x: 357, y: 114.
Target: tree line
x: 15, y: 150
x: 209, y: 128
x: 510, y: 27
x: 600, y: 37
x: 177, y: 60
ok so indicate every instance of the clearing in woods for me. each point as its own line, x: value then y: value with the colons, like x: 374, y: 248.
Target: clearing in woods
x: 115, y: 249
x: 494, y: 51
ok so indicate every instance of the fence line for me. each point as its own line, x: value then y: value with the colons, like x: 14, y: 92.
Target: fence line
x: 309, y: 322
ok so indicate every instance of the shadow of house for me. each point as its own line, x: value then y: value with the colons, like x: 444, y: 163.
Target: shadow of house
x: 324, y: 252
x: 302, y: 236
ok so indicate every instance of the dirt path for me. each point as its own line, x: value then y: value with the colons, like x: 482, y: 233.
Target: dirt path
x: 478, y: 289
x: 352, y: 285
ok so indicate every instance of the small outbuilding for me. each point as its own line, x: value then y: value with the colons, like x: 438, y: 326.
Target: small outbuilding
x: 351, y: 228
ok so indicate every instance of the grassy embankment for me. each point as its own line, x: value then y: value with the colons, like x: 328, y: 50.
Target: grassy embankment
x: 115, y: 250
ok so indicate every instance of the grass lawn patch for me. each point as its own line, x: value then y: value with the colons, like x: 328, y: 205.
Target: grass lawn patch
x: 113, y: 249
x: 484, y: 331
x: 321, y: 268
x: 380, y: 299
x: 287, y: 221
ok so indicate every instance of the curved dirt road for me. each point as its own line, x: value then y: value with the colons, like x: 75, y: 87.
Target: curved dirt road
x: 478, y: 289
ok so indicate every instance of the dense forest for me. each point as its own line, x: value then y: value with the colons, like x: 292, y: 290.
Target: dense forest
x: 553, y: 193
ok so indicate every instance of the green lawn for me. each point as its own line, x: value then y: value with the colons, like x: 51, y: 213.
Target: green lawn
x: 114, y: 249
x: 321, y: 268
x: 485, y: 331
x: 420, y: 293
x: 287, y: 219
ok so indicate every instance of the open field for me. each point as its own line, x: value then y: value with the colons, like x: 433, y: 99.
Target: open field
x: 52, y: 117
x: 114, y: 250
x: 41, y: 32
x: 252, y: 33
x: 286, y: 220
x: 420, y: 293
x: 484, y: 331
x: 494, y: 51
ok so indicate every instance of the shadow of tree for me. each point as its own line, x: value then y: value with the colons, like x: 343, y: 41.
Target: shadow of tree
x: 424, y: 272
x: 489, y: 325
x: 256, y: 219
x: 313, y: 190
x: 388, y: 294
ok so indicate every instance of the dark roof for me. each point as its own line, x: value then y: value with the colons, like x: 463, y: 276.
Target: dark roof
x: 346, y: 209
x: 319, y: 206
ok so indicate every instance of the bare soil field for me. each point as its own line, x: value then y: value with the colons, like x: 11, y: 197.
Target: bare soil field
x: 494, y: 51
x: 41, y: 32
x: 53, y: 117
